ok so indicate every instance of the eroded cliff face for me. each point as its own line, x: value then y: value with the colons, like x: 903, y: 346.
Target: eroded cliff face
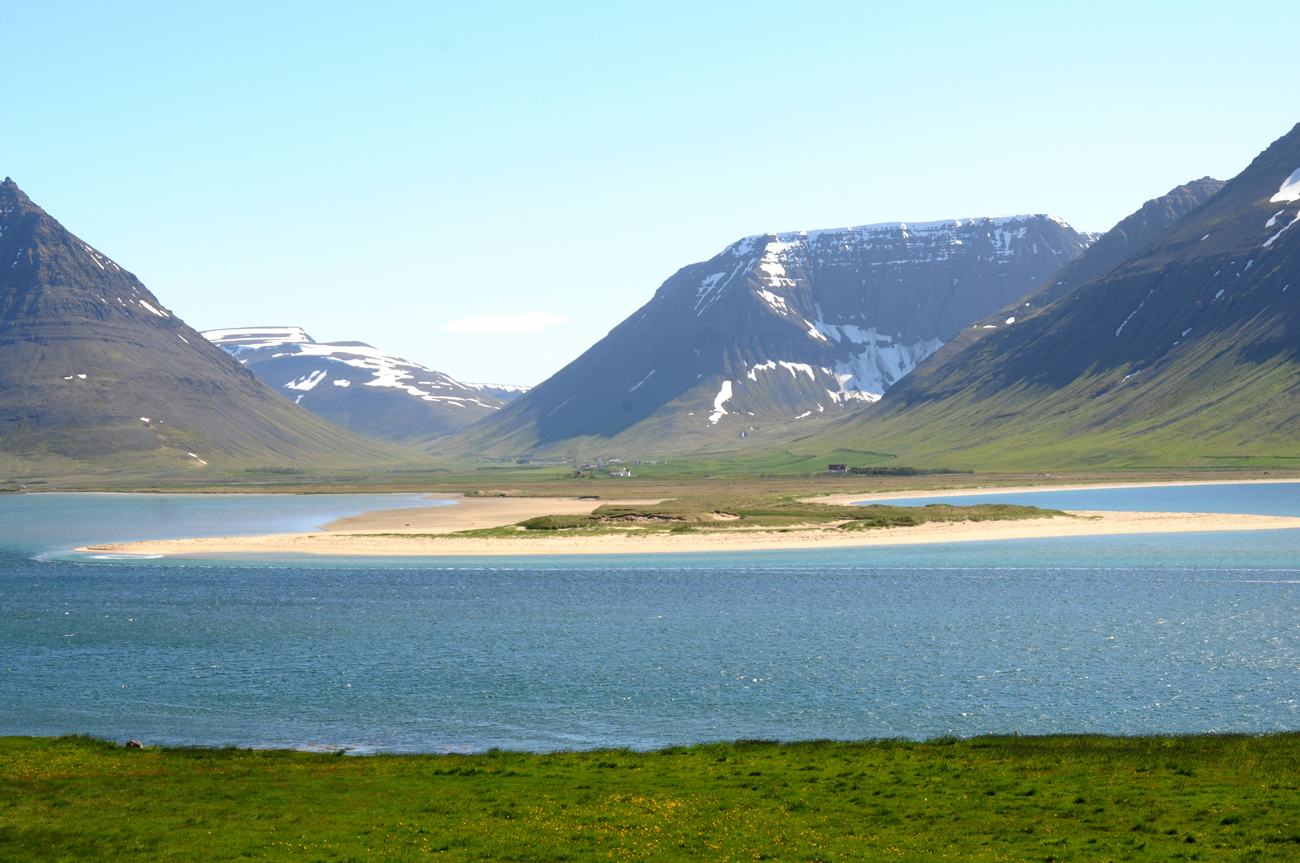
x: 779, y: 328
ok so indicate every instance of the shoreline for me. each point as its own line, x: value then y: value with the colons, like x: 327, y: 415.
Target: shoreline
x: 1021, y: 489
x: 413, y: 544
x: 423, y: 531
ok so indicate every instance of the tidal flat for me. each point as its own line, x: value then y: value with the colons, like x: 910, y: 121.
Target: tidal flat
x: 1052, y: 798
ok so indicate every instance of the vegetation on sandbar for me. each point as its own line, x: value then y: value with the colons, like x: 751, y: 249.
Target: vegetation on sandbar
x: 732, y: 512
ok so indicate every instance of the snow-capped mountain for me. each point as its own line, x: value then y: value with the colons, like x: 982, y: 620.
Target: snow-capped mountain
x: 504, y: 392
x: 96, y: 373
x: 360, y: 387
x: 781, y: 328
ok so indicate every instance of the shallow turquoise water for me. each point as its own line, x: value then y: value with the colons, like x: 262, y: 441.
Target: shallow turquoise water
x: 1270, y: 498
x: 52, y: 522
x: 1133, y: 634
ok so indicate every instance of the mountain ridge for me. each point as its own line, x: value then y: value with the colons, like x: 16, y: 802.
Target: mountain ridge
x: 1187, y: 353
x: 1127, y: 237
x: 394, y: 399
x: 96, y: 373
x: 781, y: 328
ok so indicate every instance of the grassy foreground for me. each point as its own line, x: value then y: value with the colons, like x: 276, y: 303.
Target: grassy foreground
x: 1005, y: 798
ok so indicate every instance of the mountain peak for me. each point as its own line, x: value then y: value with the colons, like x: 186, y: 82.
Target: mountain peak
x: 358, y: 386
x: 782, y: 330
x: 11, y: 196
x: 95, y: 370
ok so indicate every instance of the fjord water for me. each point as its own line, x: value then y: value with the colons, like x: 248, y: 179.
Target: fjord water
x: 50, y: 522
x: 1126, y: 635
x: 1253, y: 498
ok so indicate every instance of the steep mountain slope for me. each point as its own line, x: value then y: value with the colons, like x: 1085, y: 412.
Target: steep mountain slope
x: 1186, y: 353
x: 777, y: 330
x: 356, y: 386
x: 1130, y: 234
x: 96, y: 373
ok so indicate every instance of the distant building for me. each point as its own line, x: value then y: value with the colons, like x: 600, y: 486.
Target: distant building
x: 838, y: 468
x: 623, y: 472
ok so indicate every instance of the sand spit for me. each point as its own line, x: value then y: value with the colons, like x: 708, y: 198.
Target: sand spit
x: 470, y: 513
x: 345, y: 538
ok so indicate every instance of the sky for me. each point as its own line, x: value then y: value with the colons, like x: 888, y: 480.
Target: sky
x: 489, y: 188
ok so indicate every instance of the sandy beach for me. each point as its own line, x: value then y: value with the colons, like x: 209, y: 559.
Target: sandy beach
x: 405, y: 544
x: 471, y: 513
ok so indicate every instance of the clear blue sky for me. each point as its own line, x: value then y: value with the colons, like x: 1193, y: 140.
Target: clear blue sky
x: 379, y: 171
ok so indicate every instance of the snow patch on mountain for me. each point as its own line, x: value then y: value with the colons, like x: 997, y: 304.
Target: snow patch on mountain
x: 1289, y: 190
x: 878, y: 367
x: 1285, y: 228
x: 255, y: 338
x: 643, y: 380
x: 1004, y: 229
x: 723, y: 396
x: 776, y: 302
x: 879, y: 363
x: 505, y: 392
x: 711, y: 288
x: 386, y: 370
x: 795, y: 368
x: 847, y: 396
x: 306, y: 382
x: 772, y: 265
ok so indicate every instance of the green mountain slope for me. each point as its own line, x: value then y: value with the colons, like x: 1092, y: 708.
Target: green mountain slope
x: 97, y: 375
x: 1186, y: 353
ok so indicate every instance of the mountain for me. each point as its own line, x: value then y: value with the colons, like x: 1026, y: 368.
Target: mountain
x: 779, y: 330
x: 1130, y: 234
x: 359, y: 387
x: 1186, y: 353
x: 97, y: 374
x: 501, y: 392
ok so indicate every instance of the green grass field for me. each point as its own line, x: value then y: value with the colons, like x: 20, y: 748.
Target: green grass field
x: 999, y: 799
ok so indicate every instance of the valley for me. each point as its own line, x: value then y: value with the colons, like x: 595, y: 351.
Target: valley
x: 989, y: 344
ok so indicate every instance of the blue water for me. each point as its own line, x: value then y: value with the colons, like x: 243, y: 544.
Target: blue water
x: 50, y: 522
x: 1134, y: 634
x: 1281, y: 498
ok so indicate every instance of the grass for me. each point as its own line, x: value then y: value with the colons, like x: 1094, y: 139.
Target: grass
x: 1209, y: 407
x: 1004, y: 798
x: 800, y: 473
x: 724, y: 513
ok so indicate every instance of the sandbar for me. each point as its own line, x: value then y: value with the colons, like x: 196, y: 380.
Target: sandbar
x: 471, y: 513
x: 408, y: 541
